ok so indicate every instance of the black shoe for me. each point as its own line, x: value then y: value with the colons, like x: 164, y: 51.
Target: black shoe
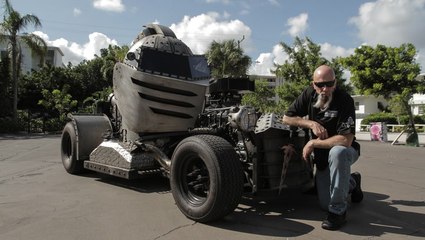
x: 333, y: 221
x: 357, y: 193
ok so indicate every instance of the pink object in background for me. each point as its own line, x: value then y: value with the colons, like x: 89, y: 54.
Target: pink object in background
x: 378, y: 131
x: 375, y: 132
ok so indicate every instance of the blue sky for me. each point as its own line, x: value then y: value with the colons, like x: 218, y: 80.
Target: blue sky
x: 82, y: 27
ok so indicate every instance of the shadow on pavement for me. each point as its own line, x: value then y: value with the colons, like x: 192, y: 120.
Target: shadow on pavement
x: 377, y: 216
x: 278, y: 216
x: 153, y: 184
x: 297, y: 214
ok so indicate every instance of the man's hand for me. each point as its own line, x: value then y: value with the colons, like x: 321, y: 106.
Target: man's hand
x: 315, y: 127
x: 319, y: 130
x: 308, y: 149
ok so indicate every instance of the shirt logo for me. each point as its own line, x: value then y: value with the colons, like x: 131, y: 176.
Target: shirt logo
x: 350, y: 121
x: 331, y: 114
x: 349, y: 124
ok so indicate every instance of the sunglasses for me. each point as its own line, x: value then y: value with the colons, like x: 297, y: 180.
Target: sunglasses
x: 323, y: 84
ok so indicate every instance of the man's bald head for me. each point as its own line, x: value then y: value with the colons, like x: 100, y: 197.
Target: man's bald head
x: 324, y: 83
x: 323, y: 73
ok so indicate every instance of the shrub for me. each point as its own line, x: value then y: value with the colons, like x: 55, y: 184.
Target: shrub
x: 389, y: 118
x: 7, y: 125
x: 53, y: 125
x: 418, y: 119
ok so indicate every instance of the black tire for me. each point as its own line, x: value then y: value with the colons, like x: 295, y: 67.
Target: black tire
x: 206, y: 177
x: 69, y: 150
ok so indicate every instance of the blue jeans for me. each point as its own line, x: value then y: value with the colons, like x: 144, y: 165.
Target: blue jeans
x: 335, y: 182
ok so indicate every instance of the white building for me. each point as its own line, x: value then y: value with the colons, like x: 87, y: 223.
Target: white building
x: 272, y: 82
x: 31, y: 61
x: 418, y: 101
x: 418, y: 104
x: 366, y: 105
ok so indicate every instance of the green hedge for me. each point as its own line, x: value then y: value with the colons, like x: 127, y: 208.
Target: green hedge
x: 7, y: 125
x: 391, y: 118
x: 33, y: 124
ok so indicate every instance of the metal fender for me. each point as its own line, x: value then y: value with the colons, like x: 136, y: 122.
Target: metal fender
x: 90, y: 131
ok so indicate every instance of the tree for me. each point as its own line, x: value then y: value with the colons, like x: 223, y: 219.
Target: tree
x: 387, y: 71
x: 110, y: 56
x: 261, y: 98
x: 58, y: 101
x: 227, y: 59
x: 297, y: 72
x: 48, y: 77
x: 13, y: 23
x: 5, y: 88
x: 89, y: 80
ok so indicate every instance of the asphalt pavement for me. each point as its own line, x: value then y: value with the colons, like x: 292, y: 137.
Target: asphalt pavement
x: 40, y: 201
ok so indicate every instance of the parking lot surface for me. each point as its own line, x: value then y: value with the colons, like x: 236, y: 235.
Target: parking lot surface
x: 40, y: 201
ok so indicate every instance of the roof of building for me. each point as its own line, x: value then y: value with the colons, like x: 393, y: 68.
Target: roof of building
x: 55, y: 48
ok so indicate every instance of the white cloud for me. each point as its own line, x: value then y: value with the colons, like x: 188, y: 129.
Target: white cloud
x: 109, y: 5
x: 280, y: 55
x: 297, y: 25
x: 74, y: 52
x: 392, y: 23
x: 264, y: 64
x: 96, y: 42
x: 388, y: 22
x: 42, y: 35
x: 266, y: 61
x: 330, y: 51
x: 198, y: 32
x: 77, y: 12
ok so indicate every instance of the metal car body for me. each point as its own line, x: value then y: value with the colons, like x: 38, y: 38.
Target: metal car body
x: 168, y: 116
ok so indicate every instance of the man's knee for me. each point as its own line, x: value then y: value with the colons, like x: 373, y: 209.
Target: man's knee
x: 341, y: 153
x: 338, y: 152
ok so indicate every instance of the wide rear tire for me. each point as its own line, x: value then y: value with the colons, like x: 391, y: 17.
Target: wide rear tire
x: 206, y: 177
x: 69, y: 150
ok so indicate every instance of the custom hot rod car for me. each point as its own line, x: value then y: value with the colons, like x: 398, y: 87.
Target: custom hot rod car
x: 168, y: 116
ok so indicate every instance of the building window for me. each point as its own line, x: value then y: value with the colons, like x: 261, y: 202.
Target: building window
x: 4, y: 55
x: 50, y: 57
x: 357, y: 105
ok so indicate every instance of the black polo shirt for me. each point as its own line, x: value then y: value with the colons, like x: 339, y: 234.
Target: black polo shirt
x: 338, y: 118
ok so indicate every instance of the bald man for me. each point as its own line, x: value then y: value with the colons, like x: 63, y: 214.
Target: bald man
x: 331, y: 120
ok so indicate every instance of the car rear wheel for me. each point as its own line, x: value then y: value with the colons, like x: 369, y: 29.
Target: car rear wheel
x: 206, y: 177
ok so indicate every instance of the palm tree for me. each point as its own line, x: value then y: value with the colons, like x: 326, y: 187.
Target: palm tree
x: 13, y: 23
x: 227, y: 59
